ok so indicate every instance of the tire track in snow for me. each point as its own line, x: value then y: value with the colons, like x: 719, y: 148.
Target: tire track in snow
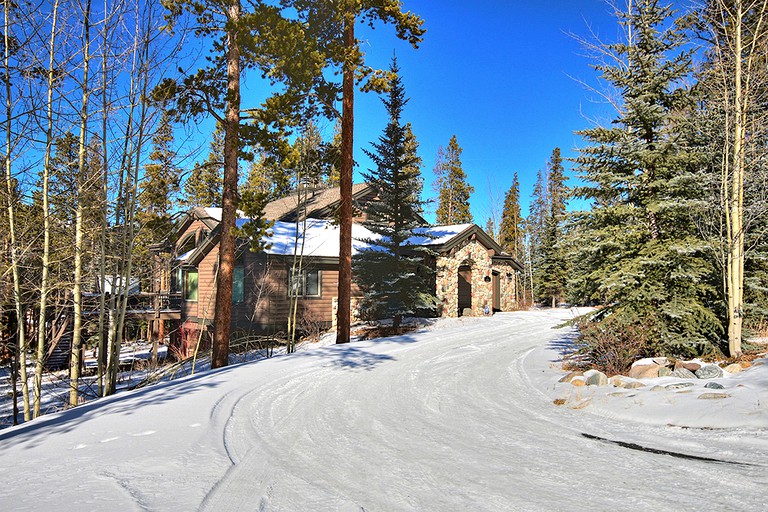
x: 449, y: 422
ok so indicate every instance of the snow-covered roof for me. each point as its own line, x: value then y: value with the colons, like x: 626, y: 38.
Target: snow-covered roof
x: 215, y: 213
x: 321, y: 238
x: 437, y: 235
x: 186, y: 255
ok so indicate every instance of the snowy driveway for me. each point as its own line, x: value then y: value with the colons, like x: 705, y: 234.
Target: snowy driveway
x: 450, y: 419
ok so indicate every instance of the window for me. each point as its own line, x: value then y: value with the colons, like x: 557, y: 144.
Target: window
x: 190, y: 284
x: 186, y: 246
x: 176, y: 280
x: 238, y: 284
x: 304, y: 283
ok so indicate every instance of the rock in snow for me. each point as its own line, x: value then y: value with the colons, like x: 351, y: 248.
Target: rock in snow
x: 595, y: 378
x: 683, y: 373
x: 645, y: 371
x: 568, y: 377
x: 712, y: 396
x: 709, y: 372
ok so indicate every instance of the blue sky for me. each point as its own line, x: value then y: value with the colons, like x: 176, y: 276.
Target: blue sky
x: 501, y: 76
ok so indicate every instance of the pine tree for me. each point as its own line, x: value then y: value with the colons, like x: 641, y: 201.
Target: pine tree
x: 160, y: 187
x: 203, y: 187
x: 511, y: 231
x: 392, y: 274
x: 453, y: 189
x: 638, y: 245
x: 535, y: 225
x: 490, y: 228
x: 158, y: 197
x: 550, y: 275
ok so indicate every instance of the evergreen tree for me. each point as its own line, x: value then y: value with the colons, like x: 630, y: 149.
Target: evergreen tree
x: 490, y: 228
x: 638, y: 244
x: 158, y: 197
x: 453, y: 189
x: 535, y: 225
x: 511, y: 231
x: 394, y: 217
x: 550, y: 275
x: 204, y: 184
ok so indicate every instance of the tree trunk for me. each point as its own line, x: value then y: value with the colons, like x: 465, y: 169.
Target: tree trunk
x: 735, y: 203
x: 41, y: 327
x: 21, y: 346
x: 223, y: 312
x: 77, y: 289
x: 345, y: 181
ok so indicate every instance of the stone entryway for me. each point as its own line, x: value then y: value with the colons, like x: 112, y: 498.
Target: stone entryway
x: 465, y: 288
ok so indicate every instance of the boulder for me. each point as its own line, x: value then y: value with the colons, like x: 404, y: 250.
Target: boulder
x: 711, y: 371
x: 595, y: 378
x: 616, y: 381
x: 661, y: 361
x: 733, y: 368
x: 712, y: 396
x: 664, y: 372
x: 658, y: 388
x: 634, y: 385
x: 713, y: 385
x: 678, y: 385
x: 683, y: 373
x: 644, y: 371
x: 568, y: 377
x: 578, y: 382
x: 688, y: 365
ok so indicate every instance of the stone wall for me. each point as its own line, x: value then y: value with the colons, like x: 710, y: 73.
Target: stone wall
x: 507, y: 280
x: 474, y: 254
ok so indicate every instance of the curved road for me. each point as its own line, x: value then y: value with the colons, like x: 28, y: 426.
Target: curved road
x: 452, y: 422
x: 450, y: 419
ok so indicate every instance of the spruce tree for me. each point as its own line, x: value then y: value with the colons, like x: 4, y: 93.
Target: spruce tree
x: 550, y: 275
x: 158, y: 197
x: 511, y: 231
x: 204, y: 185
x: 453, y: 189
x: 535, y: 225
x: 392, y: 273
x: 638, y: 245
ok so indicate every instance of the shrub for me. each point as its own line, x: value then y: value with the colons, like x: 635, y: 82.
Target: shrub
x: 610, y: 345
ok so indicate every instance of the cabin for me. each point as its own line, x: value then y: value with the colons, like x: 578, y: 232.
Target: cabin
x: 473, y: 276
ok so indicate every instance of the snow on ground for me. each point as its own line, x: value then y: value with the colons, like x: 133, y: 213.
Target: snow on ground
x: 54, y: 394
x: 456, y: 416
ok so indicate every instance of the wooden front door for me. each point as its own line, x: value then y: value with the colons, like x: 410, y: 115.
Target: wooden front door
x: 465, y: 289
x: 496, y: 291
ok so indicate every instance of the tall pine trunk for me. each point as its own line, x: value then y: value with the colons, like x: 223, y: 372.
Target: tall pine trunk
x: 345, y: 180
x: 223, y: 312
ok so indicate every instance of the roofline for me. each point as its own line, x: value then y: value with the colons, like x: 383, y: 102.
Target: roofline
x: 508, y: 257
x: 472, y: 229
x: 189, y: 217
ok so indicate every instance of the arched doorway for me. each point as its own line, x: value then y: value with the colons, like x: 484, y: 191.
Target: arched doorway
x: 465, y: 287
